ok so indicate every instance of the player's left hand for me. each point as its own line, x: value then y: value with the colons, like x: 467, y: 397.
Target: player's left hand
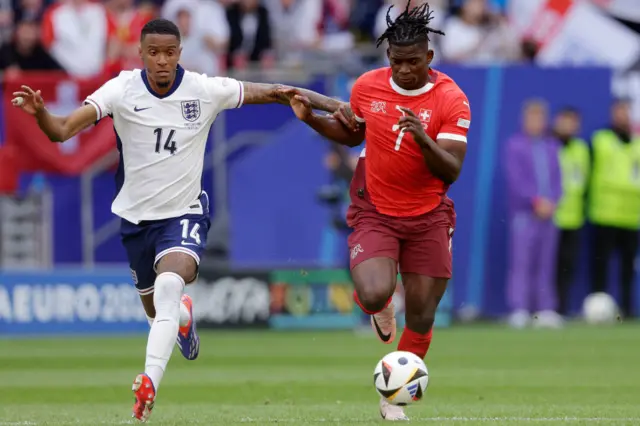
x: 412, y: 124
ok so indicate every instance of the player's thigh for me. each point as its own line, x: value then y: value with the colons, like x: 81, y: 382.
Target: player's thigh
x: 374, y: 250
x: 180, y: 246
x: 141, y: 259
x: 428, y: 252
x: 422, y: 296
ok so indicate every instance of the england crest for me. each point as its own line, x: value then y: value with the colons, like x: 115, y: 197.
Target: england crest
x: 191, y: 110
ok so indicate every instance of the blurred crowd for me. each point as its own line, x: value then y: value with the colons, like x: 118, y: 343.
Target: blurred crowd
x: 87, y: 38
x: 557, y: 183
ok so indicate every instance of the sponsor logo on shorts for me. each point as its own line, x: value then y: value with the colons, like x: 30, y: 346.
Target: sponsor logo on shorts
x: 451, y: 239
x: 134, y: 276
x: 354, y: 251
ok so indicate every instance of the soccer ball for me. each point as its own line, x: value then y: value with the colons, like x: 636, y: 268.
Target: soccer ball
x: 600, y: 308
x: 401, y: 378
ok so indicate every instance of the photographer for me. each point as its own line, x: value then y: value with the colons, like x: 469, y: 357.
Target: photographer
x: 341, y: 161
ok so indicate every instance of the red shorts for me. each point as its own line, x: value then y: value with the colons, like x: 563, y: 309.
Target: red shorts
x: 420, y: 244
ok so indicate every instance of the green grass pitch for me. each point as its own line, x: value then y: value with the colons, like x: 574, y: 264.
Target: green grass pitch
x: 478, y: 375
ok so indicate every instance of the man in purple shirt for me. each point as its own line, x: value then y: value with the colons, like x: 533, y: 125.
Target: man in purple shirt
x: 533, y: 188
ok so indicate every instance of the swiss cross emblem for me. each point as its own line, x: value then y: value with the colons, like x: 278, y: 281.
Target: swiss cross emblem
x: 425, y: 115
x: 379, y: 106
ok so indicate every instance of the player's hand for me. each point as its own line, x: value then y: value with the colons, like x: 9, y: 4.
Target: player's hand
x: 345, y: 115
x: 412, y: 124
x: 286, y: 93
x: 544, y: 208
x: 301, y: 106
x: 31, y: 102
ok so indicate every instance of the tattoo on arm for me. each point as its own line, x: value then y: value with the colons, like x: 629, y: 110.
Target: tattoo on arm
x: 264, y: 93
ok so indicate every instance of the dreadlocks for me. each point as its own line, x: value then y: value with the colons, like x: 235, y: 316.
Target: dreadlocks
x: 410, y: 27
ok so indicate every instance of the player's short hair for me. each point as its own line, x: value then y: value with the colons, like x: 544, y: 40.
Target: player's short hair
x: 410, y: 27
x: 160, y: 26
x: 535, y: 103
x: 569, y: 110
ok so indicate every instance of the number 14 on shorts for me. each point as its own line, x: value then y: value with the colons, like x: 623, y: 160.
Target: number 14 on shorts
x: 192, y: 234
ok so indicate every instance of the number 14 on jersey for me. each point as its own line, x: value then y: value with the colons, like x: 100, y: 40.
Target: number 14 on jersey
x: 169, y: 143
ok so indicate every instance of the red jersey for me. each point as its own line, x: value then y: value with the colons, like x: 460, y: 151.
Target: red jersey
x: 398, y: 180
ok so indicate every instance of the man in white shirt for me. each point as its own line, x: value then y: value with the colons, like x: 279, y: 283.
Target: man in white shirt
x: 161, y: 116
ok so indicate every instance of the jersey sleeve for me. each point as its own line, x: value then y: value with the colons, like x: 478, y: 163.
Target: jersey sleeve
x: 355, y: 100
x: 457, y: 119
x: 105, y: 98
x: 225, y: 92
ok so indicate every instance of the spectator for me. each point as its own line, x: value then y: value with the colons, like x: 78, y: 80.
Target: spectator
x: 6, y: 20
x: 363, y: 17
x: 125, y: 23
x: 75, y: 32
x: 295, y: 25
x: 334, y: 26
x: 570, y: 214
x: 208, y: 32
x: 195, y: 55
x: 534, y: 187
x: 250, y: 33
x: 30, y: 10
x: 478, y: 36
x: 25, y: 52
x: 614, y: 201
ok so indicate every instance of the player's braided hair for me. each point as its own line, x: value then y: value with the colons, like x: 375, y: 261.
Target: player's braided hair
x: 410, y: 27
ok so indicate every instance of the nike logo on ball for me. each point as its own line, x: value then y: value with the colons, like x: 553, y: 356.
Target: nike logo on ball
x: 136, y: 109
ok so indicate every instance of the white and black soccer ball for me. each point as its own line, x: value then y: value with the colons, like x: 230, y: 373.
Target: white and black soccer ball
x: 600, y: 308
x: 401, y: 378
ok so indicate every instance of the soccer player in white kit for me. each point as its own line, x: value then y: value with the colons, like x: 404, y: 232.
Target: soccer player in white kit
x: 161, y: 116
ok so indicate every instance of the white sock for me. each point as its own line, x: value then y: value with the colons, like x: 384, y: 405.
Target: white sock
x: 162, y: 337
x: 149, y: 320
x: 184, y: 315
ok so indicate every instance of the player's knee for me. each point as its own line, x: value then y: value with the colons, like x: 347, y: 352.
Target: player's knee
x: 375, y: 296
x: 420, y: 322
x: 168, y: 291
x: 178, y: 263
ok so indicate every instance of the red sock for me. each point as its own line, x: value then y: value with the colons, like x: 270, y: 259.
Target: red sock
x: 415, y: 342
x: 359, y: 303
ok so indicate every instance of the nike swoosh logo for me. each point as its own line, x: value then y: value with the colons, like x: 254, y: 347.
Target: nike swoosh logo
x: 184, y: 243
x: 136, y: 109
x: 384, y: 337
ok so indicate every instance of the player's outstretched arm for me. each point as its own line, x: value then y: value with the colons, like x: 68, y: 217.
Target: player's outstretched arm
x: 261, y: 93
x: 327, y: 125
x: 57, y: 128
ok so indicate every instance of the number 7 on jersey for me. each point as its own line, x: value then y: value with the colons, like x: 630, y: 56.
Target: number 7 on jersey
x: 396, y: 127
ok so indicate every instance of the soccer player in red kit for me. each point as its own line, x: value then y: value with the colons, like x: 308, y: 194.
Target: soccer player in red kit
x: 415, y: 120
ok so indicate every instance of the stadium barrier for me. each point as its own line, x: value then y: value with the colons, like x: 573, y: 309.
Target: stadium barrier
x: 69, y: 301
x: 103, y: 301
x: 287, y: 299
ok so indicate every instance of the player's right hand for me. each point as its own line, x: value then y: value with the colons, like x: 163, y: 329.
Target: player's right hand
x: 31, y: 103
x: 345, y: 115
x: 544, y: 208
x: 301, y: 106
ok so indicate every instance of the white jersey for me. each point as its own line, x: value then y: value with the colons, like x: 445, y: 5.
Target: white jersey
x: 161, y: 139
